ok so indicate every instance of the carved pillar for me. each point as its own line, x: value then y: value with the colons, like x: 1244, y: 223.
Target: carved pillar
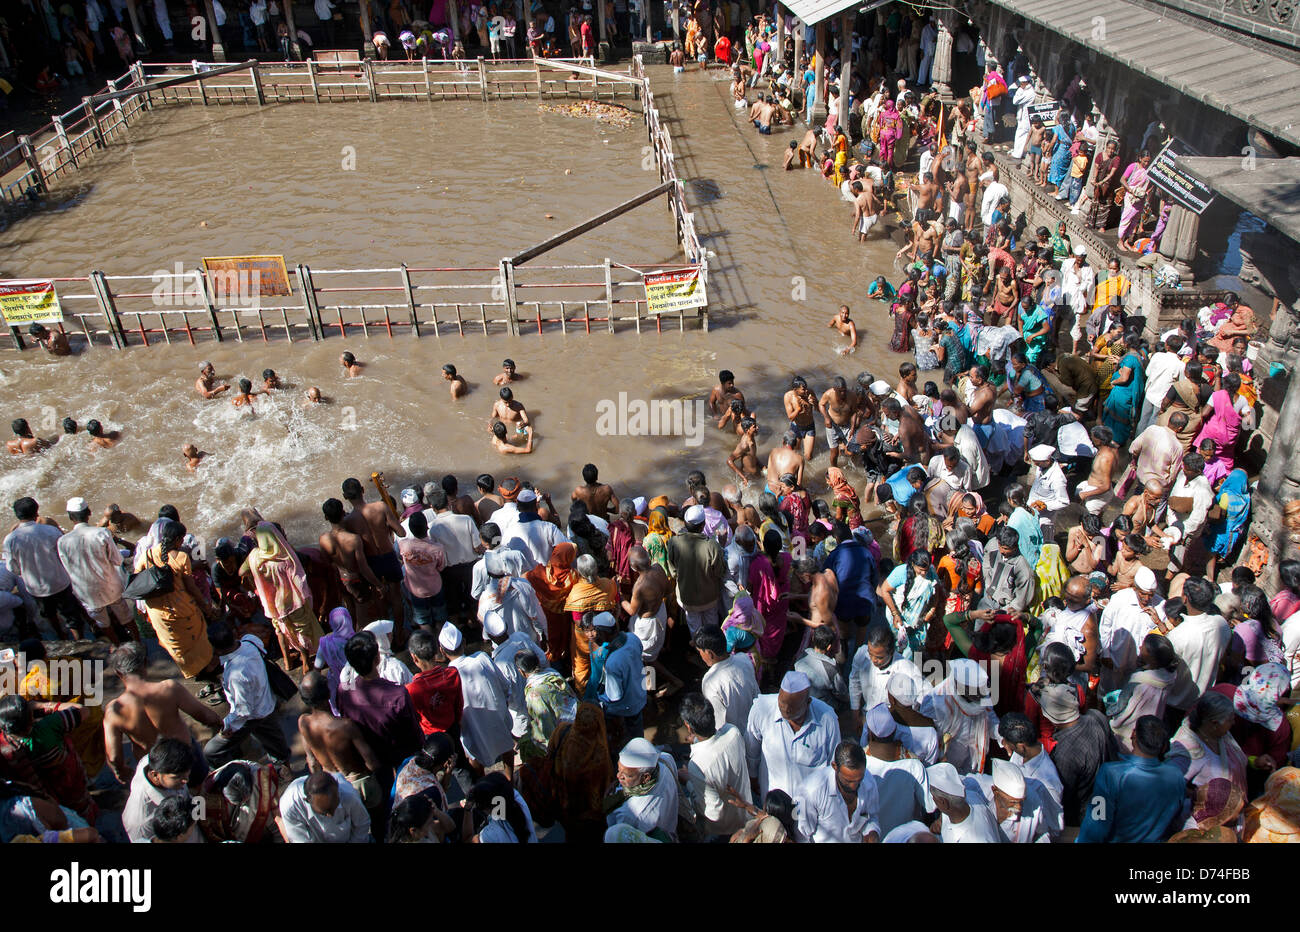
x: 846, y: 69
x: 798, y: 51
x: 819, y: 105
x: 941, y: 67
x: 1178, y: 243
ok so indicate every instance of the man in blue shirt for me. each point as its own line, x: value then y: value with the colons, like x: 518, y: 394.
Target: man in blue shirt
x: 1136, y: 798
x: 622, y: 683
x: 855, y: 571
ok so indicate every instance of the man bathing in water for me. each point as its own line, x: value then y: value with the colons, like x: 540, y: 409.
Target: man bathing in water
x: 839, y: 408
x: 24, y: 441
x: 270, y: 380
x: 845, y: 326
x: 377, y: 526
x: 193, y: 456
x: 101, y: 438
x: 313, y: 396
x: 54, y: 341
x: 799, y: 406
x: 785, y: 460
x: 724, y: 393
x: 347, y: 552
x: 206, y: 384
x: 502, y: 445
x: 119, y: 522
x: 598, y: 496
x: 735, y: 414
x: 509, y: 411
x: 866, y: 207
x: 458, y: 386
x: 746, y: 452
x: 351, y: 367
x: 507, y: 374
x: 245, y: 395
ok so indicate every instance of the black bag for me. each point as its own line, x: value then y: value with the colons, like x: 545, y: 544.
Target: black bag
x: 149, y: 582
x: 282, y: 685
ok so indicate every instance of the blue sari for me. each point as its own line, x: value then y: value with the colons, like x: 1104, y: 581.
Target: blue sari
x: 1124, y: 401
x: 1060, y: 166
x: 1029, y: 528
x: 1222, y: 534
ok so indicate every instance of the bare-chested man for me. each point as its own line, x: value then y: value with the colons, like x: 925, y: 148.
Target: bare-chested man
x: 335, y: 744
x: 54, y: 341
x: 958, y: 195
x: 510, y: 412
x: 927, y: 233
x: 800, y: 403
x: 458, y: 386
x: 974, y: 166
x: 808, y: 148
x: 100, y: 438
x: 24, y: 441
x: 509, y: 373
x: 839, y: 409
x: 821, y: 591
x: 928, y: 193
x: 207, y: 385
x: 982, y: 395
x: 912, y: 443
x: 244, y: 397
x: 845, y: 325
x: 598, y: 496
x: 1095, y: 491
x: 724, y: 393
x: 148, y: 710
x: 347, y: 552
x: 351, y: 368
x: 743, y: 460
x: 502, y: 444
x: 785, y: 459
x: 120, y: 523
x: 866, y: 207
x: 648, y: 615
x: 377, y: 526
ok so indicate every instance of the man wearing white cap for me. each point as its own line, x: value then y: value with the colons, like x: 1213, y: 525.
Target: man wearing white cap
x: 730, y: 683
x: 697, y: 562
x: 93, y: 563
x: 1020, y: 739
x: 1018, y: 804
x: 620, y: 681
x: 965, y: 816
x: 788, y: 736
x: 962, y: 709
x: 1023, y: 97
x: 649, y: 785
x: 839, y: 804
x: 900, y: 781
x: 485, y: 728
x: 510, y: 600
x: 509, y: 645
x: 507, y: 561
x: 1129, y: 616
x: 1078, y: 285
x: 537, y: 536
x: 1049, y: 492
x: 915, y: 730
x: 874, y: 664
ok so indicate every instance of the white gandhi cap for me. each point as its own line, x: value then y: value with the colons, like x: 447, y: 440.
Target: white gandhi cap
x: 639, y: 753
x: 77, y: 505
x: 795, y: 682
x: 943, y: 777
x: 450, y: 637
x: 494, y: 626
x: 1009, y: 778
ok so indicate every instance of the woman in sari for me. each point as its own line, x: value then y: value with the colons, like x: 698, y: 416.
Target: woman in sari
x: 743, y: 626
x: 656, y: 540
x: 581, y: 773
x: 796, y: 503
x: 1274, y: 818
x: 1127, y: 388
x: 552, y: 583
x: 178, y: 616
x: 1203, y: 748
x: 329, y: 651
x: 1222, y: 533
x: 281, y: 585
x: 1026, y: 524
x: 769, y: 582
x: 1035, y: 330
x: 903, y: 313
x: 1059, y: 168
x: 590, y: 595
x: 1107, y: 350
x: 1240, y: 322
x: 1136, y: 186
x: 1221, y: 428
x: 841, y: 149
x: 890, y: 123
x: 1105, y: 181
x: 969, y: 505
x: 846, y: 505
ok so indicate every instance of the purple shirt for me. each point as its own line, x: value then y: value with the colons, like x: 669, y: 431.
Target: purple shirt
x: 384, y: 713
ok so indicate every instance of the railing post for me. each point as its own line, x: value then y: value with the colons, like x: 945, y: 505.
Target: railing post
x: 538, y: 69
x: 311, y: 73
x: 609, y: 294
x: 63, y: 139
x: 203, y: 92
x: 212, y: 307
x: 410, y: 292
x: 309, y: 302
x: 368, y: 70
x: 508, y: 279
x: 257, y: 84
x: 428, y: 85
x: 482, y: 78
x: 137, y: 75
x: 29, y: 155
x: 93, y: 119
x: 104, y: 296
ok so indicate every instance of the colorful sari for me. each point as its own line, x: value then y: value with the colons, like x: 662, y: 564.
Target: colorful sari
x: 1035, y: 346
x: 552, y: 583
x: 890, y: 123
x: 1222, y: 428
x: 656, y: 541
x: 1060, y: 165
x: 901, y: 341
x: 1135, y: 178
x: 1233, y: 500
x: 1125, y: 401
x: 582, y: 773
x: 770, y: 586
x: 846, y: 498
x: 281, y: 585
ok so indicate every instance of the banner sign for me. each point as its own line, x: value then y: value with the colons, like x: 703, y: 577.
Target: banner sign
x: 247, y: 276
x: 29, y: 302
x: 678, y: 290
x: 1181, y: 187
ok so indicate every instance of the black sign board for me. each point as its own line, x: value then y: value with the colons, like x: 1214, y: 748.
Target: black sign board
x: 1045, y: 110
x: 1180, y: 187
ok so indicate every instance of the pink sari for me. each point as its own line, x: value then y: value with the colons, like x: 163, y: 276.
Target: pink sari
x: 891, y: 130
x: 1222, y: 429
x: 770, y: 598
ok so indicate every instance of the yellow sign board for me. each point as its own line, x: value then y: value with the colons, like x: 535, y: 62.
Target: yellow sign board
x: 677, y: 290
x: 29, y: 302
x: 247, y: 276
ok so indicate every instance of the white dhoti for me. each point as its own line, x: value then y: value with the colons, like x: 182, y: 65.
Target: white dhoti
x: 1095, y: 505
x: 651, y: 630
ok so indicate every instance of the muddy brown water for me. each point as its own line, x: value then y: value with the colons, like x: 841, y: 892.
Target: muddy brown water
x: 445, y: 183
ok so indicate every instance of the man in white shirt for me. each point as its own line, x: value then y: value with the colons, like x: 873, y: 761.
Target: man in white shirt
x: 165, y: 771
x: 1020, y: 740
x: 538, y: 537
x: 994, y: 192
x: 900, y: 781
x: 1162, y: 370
x: 968, y: 445
x: 966, y: 816
x: 788, y: 736
x: 325, y: 13
x: 949, y: 467
x: 1129, y: 616
x: 1049, y: 492
x: 839, y: 804
x: 323, y: 808
x: 1024, y: 811
x: 874, y: 663
x: 1200, y: 641
x: 1023, y: 97
x: 507, y: 646
x: 459, y: 539
x: 31, y: 551
x: 1182, y: 526
x: 717, y: 764
x: 252, y: 704
x: 1078, y: 285
x: 649, y: 780
x: 93, y: 563
x: 729, y: 683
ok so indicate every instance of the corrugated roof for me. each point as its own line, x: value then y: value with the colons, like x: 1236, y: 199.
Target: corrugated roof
x: 1268, y: 188
x: 813, y: 12
x: 1250, y: 84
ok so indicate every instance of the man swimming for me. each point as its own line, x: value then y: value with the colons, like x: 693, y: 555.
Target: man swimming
x: 845, y: 325
x: 193, y: 456
x: 507, y: 374
x: 54, y: 341
x: 458, y: 386
x: 206, y: 384
x: 245, y: 395
x: 101, y: 438
x: 743, y: 460
x: 24, y: 441
x: 350, y: 365
x: 509, y: 411
x: 502, y: 445
x: 270, y: 380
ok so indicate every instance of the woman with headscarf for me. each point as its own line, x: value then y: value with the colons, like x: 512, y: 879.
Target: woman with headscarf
x: 796, y: 503
x: 178, y: 616
x: 846, y: 504
x: 889, y: 123
x: 969, y: 505
x: 1147, y: 689
x: 281, y: 585
x: 769, y: 582
x: 743, y: 626
x: 329, y: 651
x: 552, y: 584
x: 1260, y: 726
x: 582, y: 773
x: 1223, y: 532
x: 656, y: 539
x: 1222, y: 427
x: 1274, y: 818
x: 1204, y: 749
x: 1240, y: 322
x: 590, y: 595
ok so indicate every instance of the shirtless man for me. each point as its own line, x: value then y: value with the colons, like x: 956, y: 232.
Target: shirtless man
x: 735, y: 413
x: 508, y: 411
x: 793, y: 157
x: 820, y: 595
x: 271, y: 381
x: 377, y: 526
x: 54, y: 341
x: 193, y: 456
x: 335, y: 743
x: 347, y: 552
x: 1094, y: 491
x: 648, y: 615
x: 928, y: 193
x: 912, y: 442
x: 148, y: 710
x: 596, y: 495
x: 24, y: 441
x: 974, y: 167
x: 808, y: 148
x: 502, y: 445
x: 958, y: 195
x: 746, y: 452
x: 458, y: 386
x: 839, y: 409
x: 866, y: 208
x: 120, y: 522
x: 100, y: 437
x: 313, y: 397
x: 927, y: 233
x: 507, y: 374
x: 245, y: 395
x: 799, y: 406
x: 907, y: 388
x: 351, y: 367
x: 724, y: 393
x: 982, y: 397
x: 842, y: 322
x: 206, y: 384
x: 784, y: 459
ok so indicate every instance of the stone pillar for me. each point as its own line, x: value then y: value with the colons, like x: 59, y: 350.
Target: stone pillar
x: 1178, y: 242
x: 600, y: 24
x: 218, y: 51
x: 941, y: 67
x: 137, y: 31
x: 367, y: 32
x: 798, y: 50
x: 819, y: 107
x: 779, y: 57
x: 453, y: 14
x: 846, y: 68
